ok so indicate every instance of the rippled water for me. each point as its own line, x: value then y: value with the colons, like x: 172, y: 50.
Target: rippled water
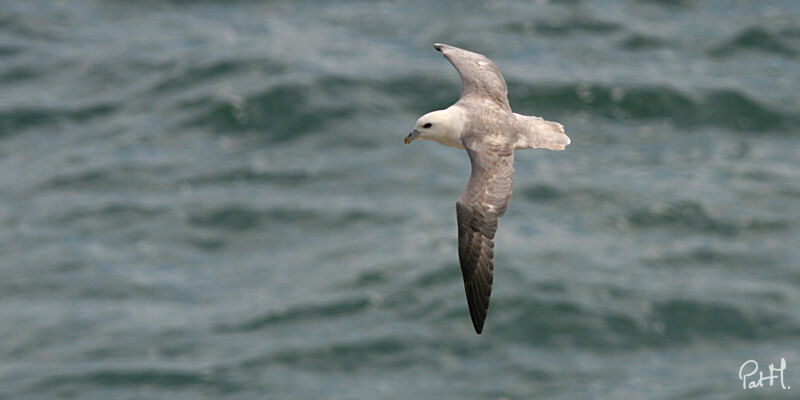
x: 211, y: 199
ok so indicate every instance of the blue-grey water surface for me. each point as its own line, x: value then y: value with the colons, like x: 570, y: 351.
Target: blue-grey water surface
x: 211, y: 200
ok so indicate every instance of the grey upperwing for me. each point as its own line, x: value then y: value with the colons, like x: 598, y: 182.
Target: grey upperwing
x: 480, y: 75
x: 484, y: 201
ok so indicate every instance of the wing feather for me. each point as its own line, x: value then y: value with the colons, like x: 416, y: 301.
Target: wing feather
x: 484, y: 201
x: 480, y: 75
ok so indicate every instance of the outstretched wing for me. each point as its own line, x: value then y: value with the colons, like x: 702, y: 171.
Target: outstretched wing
x: 484, y: 201
x: 480, y: 75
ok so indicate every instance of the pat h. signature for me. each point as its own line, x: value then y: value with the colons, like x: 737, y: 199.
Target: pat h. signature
x: 749, y: 369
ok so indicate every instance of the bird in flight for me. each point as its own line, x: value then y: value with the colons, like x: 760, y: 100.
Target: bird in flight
x: 482, y: 123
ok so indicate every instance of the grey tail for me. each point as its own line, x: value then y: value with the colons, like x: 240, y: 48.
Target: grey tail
x: 536, y: 133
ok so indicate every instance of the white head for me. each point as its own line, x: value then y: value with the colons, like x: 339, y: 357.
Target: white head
x: 443, y: 126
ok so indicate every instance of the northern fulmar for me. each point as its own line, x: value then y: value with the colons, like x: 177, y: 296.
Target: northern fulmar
x: 482, y: 122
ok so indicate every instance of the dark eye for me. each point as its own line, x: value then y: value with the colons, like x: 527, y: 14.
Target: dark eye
x: 428, y: 125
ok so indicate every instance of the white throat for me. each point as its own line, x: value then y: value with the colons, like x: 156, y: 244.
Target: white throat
x: 453, y: 120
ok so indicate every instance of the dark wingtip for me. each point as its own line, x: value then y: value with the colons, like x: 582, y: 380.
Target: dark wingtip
x: 477, y: 323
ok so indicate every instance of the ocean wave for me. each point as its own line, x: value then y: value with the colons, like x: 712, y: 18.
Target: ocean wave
x: 120, y: 212
x: 135, y: 377
x: 709, y: 256
x: 289, y: 178
x: 66, y: 282
x: 442, y: 275
x: 15, y: 119
x: 243, y: 218
x: 105, y: 177
x: 332, y: 309
x: 723, y: 108
x: 543, y: 193
x: 19, y: 73
x: 127, y: 291
x: 367, y: 279
x: 685, y: 320
x: 563, y: 27
x: 9, y: 50
x: 24, y: 27
x: 693, y: 216
x: 196, y: 75
x: 369, y: 353
x: 753, y: 39
x: 284, y: 112
x: 664, y: 323
x: 639, y: 42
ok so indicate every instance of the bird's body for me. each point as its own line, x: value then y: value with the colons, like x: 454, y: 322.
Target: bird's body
x: 482, y: 122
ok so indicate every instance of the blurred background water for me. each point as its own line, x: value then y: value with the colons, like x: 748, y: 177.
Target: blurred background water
x: 211, y: 199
